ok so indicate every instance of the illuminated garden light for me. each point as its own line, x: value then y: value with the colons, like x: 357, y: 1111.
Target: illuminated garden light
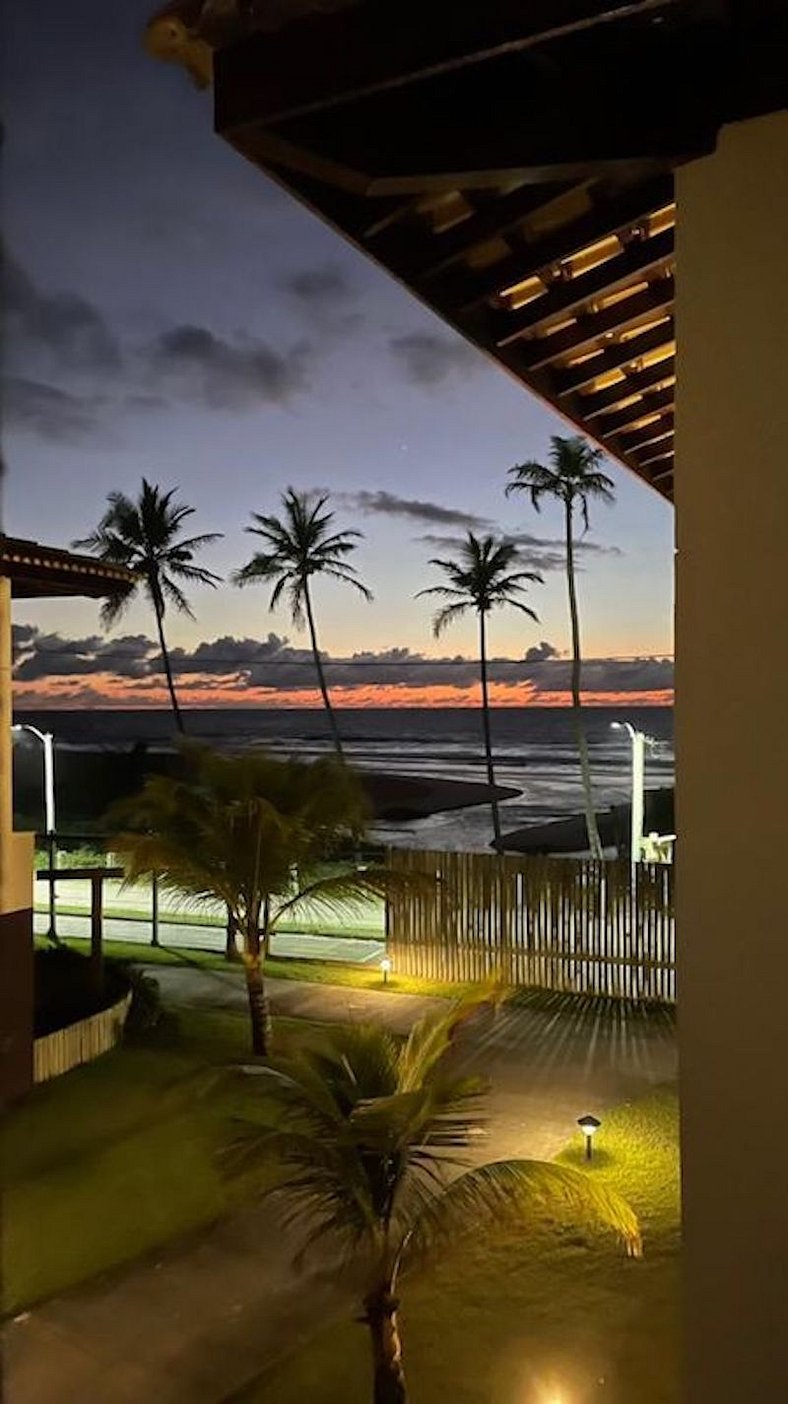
x: 385, y: 966
x: 589, y: 1125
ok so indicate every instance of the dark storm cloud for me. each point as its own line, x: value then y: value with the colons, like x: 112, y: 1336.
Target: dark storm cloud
x: 197, y: 365
x: 63, y: 327
x: 226, y: 655
x: 427, y: 359
x: 46, y: 655
x: 33, y: 407
x: 389, y: 504
x: 239, y: 664
x: 540, y: 653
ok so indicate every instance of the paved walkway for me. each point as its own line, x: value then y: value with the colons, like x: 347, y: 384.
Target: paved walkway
x: 203, y: 1318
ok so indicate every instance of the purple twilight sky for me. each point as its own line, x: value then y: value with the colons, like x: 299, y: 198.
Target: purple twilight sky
x: 172, y: 313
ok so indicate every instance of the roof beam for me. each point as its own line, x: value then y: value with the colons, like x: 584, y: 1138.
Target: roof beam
x: 597, y: 402
x: 328, y: 60
x: 628, y: 418
x: 421, y: 253
x: 650, y: 434
x: 606, y: 218
x: 588, y: 327
x: 614, y: 357
x: 637, y: 259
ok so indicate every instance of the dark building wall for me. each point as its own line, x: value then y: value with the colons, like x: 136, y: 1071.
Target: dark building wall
x: 16, y: 1004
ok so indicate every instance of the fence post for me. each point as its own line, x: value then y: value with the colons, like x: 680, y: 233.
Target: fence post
x: 154, y: 910
x: 96, y: 933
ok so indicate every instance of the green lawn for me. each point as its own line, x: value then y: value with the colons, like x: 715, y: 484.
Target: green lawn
x: 538, y: 1317
x: 120, y: 1155
x: 359, y: 977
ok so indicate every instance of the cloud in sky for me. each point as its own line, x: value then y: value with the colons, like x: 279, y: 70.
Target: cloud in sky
x: 379, y: 502
x: 68, y: 375
x: 240, y: 671
x: 197, y: 365
x: 428, y: 359
x: 48, y: 412
x: 60, y: 328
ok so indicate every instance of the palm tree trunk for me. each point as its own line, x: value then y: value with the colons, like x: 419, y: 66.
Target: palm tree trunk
x: 259, y: 1014
x: 388, y: 1375
x: 167, y: 665
x: 321, y: 677
x: 496, y: 818
x: 594, y: 841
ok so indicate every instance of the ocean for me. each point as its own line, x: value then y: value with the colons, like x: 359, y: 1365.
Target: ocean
x: 534, y: 753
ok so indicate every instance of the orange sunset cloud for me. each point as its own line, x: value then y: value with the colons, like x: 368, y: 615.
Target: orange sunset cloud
x: 107, y: 691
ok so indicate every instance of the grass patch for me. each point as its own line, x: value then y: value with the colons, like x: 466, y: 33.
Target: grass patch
x: 535, y: 1316
x: 119, y: 1156
x: 358, y: 977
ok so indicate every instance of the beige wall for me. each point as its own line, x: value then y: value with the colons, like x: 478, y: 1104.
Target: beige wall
x: 732, y: 760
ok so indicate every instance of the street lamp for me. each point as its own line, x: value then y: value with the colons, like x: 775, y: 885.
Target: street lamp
x: 589, y: 1125
x: 385, y: 966
x: 639, y: 741
x: 48, y: 743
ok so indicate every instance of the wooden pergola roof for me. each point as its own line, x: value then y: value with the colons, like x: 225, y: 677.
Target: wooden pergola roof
x: 511, y: 163
x: 40, y: 572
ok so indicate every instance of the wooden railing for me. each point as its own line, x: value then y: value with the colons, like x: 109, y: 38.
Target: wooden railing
x: 579, y: 926
x: 59, y: 1052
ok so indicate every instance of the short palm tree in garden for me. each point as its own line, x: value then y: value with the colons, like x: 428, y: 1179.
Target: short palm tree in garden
x: 573, y: 478
x: 255, y: 834
x: 369, y: 1134
x: 480, y: 580
x: 298, y: 546
x: 146, y: 535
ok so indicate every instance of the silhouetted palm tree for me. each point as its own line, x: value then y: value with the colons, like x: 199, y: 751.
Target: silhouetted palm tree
x: 146, y: 537
x: 573, y: 478
x: 299, y: 545
x: 366, y: 1143
x: 481, y: 580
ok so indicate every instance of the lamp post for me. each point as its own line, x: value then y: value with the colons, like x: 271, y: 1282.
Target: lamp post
x: 638, y: 741
x: 385, y: 966
x: 589, y: 1125
x: 48, y: 743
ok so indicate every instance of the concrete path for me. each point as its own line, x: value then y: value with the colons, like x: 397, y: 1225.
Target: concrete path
x: 203, y: 1318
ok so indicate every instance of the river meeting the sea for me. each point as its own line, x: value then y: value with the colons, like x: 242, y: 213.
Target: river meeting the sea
x: 535, y: 753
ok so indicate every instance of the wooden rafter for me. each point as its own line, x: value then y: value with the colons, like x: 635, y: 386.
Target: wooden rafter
x: 587, y: 329
x: 532, y: 258
x: 597, y: 402
x: 638, y: 259
x: 628, y: 418
x: 613, y: 357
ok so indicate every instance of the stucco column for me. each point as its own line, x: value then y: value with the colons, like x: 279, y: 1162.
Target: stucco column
x: 732, y: 760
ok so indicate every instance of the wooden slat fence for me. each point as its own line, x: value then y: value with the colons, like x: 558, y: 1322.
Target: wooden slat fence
x: 59, y: 1052
x: 579, y: 926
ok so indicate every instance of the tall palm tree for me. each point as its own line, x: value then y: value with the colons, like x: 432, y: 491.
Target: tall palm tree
x: 145, y: 535
x: 298, y: 546
x: 574, y: 479
x: 481, y: 580
x: 255, y: 834
x: 368, y: 1139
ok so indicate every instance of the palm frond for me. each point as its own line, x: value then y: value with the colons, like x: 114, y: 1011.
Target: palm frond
x: 506, y: 1191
